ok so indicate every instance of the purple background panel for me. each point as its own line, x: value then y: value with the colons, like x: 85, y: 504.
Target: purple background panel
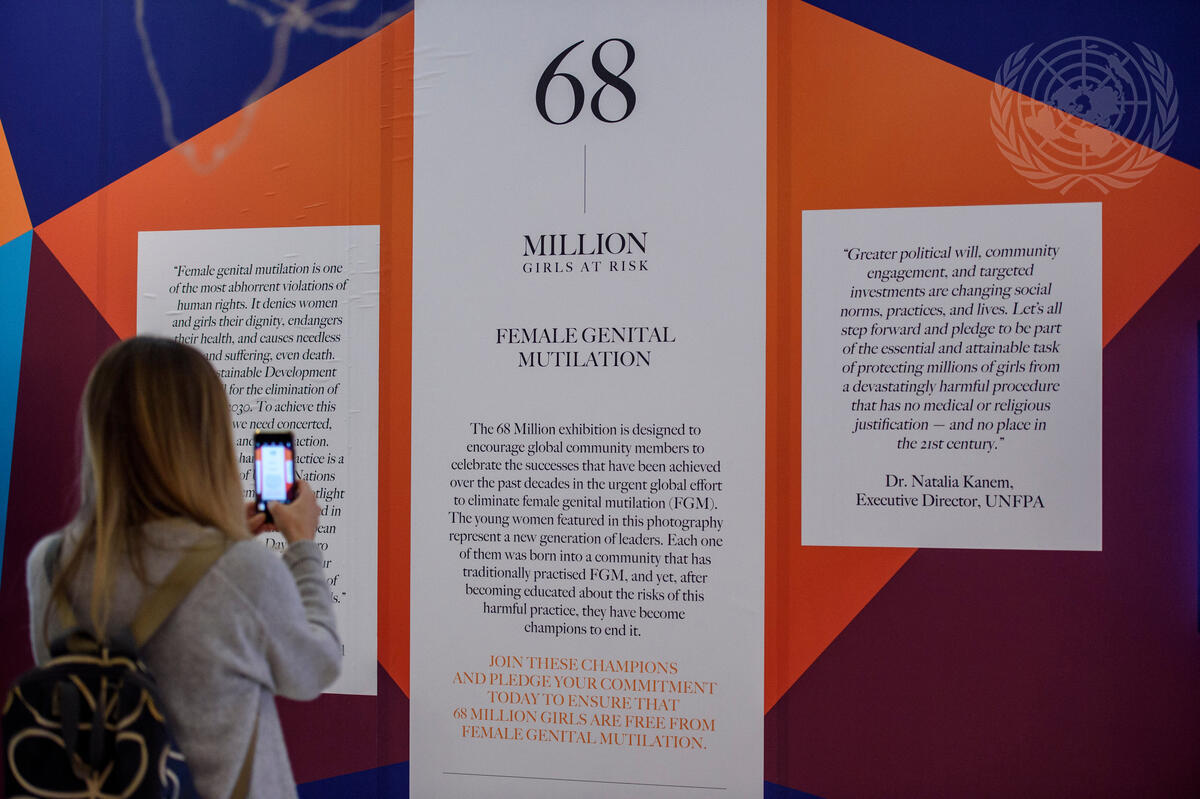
x: 64, y: 335
x: 336, y: 734
x: 1035, y: 674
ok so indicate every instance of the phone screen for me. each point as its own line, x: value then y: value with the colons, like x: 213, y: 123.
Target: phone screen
x: 274, y: 468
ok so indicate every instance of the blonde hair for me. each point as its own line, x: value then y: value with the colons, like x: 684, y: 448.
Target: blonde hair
x: 157, y: 444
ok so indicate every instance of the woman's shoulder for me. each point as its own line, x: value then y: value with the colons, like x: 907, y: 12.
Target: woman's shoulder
x: 35, y: 564
x: 252, y: 566
x: 253, y: 553
x: 246, y: 564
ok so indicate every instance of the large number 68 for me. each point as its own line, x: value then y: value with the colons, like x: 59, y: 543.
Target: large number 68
x: 604, y: 73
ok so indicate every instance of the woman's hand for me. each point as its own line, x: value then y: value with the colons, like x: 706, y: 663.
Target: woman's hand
x: 256, y: 522
x: 295, y: 520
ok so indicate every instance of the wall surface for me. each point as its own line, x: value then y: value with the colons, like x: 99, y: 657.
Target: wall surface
x: 889, y: 671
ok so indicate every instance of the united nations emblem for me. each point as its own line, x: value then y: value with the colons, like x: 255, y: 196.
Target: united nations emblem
x: 1084, y: 110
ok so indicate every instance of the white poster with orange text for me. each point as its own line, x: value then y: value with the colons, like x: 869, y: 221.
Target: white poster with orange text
x: 588, y: 399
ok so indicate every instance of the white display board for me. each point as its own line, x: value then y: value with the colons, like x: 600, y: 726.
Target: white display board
x: 290, y: 319
x: 588, y: 399
x: 952, y: 377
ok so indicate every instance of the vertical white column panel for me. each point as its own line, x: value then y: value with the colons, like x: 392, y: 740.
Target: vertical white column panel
x: 588, y: 399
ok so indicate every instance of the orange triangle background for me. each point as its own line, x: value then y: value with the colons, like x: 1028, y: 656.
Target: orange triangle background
x: 14, y: 217
x: 857, y: 120
x: 332, y: 147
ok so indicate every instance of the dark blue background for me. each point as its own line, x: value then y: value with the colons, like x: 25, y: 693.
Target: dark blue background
x: 978, y: 36
x: 76, y: 102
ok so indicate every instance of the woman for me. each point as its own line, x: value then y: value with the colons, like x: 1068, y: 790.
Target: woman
x: 159, y: 475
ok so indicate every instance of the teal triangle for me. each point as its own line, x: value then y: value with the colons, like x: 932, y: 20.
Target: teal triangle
x: 14, y: 277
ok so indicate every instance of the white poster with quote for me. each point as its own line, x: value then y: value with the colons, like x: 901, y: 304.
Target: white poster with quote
x: 588, y: 399
x: 290, y: 319
x: 952, y: 377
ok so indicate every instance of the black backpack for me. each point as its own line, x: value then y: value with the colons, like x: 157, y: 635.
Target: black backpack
x: 89, y: 721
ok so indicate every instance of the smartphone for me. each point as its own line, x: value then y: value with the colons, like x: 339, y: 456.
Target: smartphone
x: 274, y: 467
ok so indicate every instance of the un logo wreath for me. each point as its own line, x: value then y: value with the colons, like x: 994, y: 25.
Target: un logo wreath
x: 1061, y: 119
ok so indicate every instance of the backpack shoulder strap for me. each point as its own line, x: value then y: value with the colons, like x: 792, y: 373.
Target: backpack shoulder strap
x: 50, y: 562
x: 167, y: 595
x: 66, y: 615
x: 156, y: 607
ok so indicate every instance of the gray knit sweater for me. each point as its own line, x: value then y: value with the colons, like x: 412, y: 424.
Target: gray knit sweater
x: 253, y: 627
